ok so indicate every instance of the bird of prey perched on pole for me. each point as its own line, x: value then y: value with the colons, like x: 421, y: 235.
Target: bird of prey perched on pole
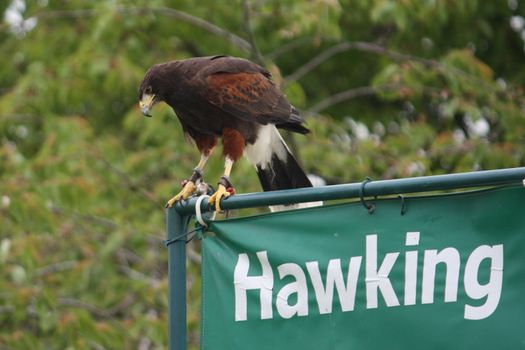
x: 235, y: 100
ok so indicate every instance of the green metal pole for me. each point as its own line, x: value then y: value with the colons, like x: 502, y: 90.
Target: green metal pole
x: 176, y: 226
x: 373, y: 188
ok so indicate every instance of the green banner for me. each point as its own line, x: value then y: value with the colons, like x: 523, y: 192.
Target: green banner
x: 448, y: 274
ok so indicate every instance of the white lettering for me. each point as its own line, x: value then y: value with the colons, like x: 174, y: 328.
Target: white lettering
x: 334, y: 277
x: 412, y: 239
x: 294, y: 298
x: 297, y: 287
x: 378, y: 279
x: 242, y: 282
x: 448, y: 256
x: 491, y: 290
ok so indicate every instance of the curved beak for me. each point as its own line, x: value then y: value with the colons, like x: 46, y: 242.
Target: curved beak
x: 146, y: 103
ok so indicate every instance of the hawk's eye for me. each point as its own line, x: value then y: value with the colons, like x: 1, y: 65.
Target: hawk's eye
x: 148, y: 90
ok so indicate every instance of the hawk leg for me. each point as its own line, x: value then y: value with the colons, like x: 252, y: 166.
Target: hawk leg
x: 189, y: 186
x: 225, y: 187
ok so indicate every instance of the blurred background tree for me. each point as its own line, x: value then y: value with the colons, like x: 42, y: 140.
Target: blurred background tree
x: 389, y: 89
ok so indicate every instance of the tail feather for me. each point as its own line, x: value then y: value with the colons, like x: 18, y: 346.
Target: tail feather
x: 276, y: 166
x: 281, y: 174
x: 294, y: 127
x: 294, y: 123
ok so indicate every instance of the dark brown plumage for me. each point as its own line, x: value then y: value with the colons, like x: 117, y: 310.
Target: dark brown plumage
x: 234, y: 99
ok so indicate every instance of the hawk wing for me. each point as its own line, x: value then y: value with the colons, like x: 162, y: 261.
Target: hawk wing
x: 245, y: 90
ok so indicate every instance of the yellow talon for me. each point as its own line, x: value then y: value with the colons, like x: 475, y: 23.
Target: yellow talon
x: 186, y: 192
x: 215, y: 198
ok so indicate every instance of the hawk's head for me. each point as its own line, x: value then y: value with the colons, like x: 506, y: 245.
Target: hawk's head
x: 153, y: 88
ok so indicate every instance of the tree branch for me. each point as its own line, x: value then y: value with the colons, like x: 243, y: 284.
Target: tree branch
x: 297, y: 43
x: 130, y: 183
x: 56, y: 267
x: 95, y: 311
x: 378, y: 50
x: 162, y: 11
x: 357, y: 45
x: 350, y: 94
x: 93, y: 219
x: 316, y: 61
x: 290, y: 46
x: 6, y: 310
x: 137, y: 275
x: 255, y: 53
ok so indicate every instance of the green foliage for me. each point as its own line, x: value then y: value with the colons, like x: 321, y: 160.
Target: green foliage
x: 435, y: 87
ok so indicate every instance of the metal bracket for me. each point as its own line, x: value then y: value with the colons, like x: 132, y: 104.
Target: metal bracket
x: 369, y: 207
x: 403, y: 204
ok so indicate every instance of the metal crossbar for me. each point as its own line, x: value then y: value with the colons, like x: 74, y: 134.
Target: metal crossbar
x: 176, y: 219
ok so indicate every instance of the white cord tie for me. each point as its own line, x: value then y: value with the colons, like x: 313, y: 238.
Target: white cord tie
x: 198, y: 212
